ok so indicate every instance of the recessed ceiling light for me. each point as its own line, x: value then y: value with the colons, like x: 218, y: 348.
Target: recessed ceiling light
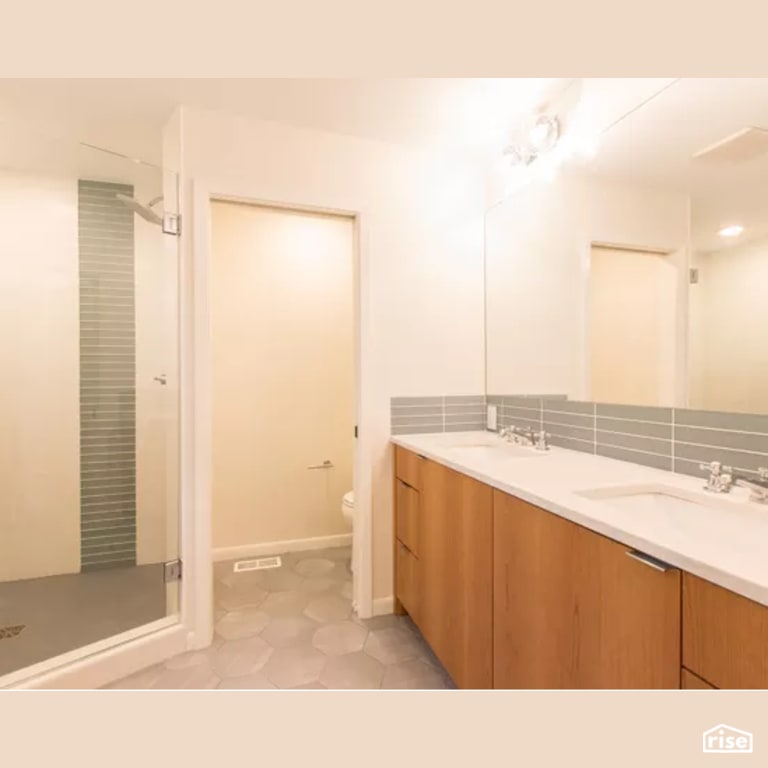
x: 733, y: 230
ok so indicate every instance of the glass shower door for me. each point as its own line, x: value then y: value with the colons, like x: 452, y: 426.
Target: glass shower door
x: 89, y: 469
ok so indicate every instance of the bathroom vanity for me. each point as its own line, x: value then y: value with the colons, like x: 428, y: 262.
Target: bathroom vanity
x: 557, y: 569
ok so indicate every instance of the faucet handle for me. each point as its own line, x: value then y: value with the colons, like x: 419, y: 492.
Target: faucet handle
x: 762, y: 473
x: 714, y: 467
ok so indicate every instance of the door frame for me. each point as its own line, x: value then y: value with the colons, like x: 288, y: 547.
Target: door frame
x: 197, y: 586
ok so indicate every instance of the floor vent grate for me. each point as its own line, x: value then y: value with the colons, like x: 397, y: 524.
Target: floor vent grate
x: 257, y: 565
x: 6, y: 633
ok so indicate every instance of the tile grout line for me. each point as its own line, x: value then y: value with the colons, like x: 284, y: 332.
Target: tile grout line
x: 674, y: 438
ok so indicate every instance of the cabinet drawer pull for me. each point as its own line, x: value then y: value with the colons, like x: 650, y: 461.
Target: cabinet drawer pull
x: 651, y: 562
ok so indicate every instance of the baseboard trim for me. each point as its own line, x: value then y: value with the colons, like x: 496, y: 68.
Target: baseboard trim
x: 279, y: 547
x: 383, y: 605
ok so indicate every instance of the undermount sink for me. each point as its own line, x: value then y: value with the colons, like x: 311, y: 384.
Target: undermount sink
x: 653, y: 498
x: 495, y: 446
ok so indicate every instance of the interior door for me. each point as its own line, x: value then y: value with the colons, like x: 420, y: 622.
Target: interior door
x: 283, y: 374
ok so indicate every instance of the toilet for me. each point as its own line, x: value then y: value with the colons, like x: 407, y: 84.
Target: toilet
x: 348, y: 510
x: 348, y: 507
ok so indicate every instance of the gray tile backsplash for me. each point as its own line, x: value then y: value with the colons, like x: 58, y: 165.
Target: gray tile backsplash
x: 444, y: 413
x: 678, y: 439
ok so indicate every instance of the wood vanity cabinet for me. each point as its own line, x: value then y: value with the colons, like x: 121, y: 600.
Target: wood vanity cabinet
x: 509, y: 595
x: 725, y: 636
x: 443, y: 564
x: 574, y: 609
x: 408, y: 468
x: 689, y: 681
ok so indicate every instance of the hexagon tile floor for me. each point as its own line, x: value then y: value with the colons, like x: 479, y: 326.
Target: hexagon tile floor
x: 293, y: 627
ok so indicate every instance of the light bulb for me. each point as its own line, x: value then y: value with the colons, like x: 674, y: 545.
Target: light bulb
x: 544, y: 134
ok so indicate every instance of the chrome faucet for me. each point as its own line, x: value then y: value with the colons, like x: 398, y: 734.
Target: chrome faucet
x: 541, y: 440
x: 525, y: 433
x: 720, y: 477
x: 759, y: 486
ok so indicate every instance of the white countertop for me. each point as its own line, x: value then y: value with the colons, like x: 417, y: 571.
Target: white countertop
x: 725, y: 542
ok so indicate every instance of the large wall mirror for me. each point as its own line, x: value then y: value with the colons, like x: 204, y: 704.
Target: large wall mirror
x: 640, y: 276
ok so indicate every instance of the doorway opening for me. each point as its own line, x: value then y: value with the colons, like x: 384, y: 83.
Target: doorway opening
x: 632, y: 321
x: 284, y: 405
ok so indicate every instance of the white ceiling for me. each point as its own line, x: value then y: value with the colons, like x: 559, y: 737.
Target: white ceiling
x: 654, y: 146
x: 128, y: 115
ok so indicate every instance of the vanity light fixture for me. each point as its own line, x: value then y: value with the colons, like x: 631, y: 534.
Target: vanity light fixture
x: 516, y: 155
x: 544, y: 134
x: 733, y: 230
x: 540, y: 139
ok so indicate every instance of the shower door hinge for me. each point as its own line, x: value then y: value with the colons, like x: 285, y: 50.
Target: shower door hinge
x: 172, y: 571
x: 172, y: 223
x: 693, y: 275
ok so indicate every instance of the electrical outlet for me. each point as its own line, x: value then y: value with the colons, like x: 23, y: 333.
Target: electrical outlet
x: 491, y: 422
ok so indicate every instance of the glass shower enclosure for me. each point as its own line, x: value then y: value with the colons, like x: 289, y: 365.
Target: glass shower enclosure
x: 89, y: 399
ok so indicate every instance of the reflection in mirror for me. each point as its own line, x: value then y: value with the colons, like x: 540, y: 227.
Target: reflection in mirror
x: 638, y: 277
x: 728, y: 342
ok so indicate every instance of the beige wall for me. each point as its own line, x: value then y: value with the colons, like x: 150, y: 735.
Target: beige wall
x: 39, y: 391
x: 729, y: 330
x: 422, y: 234
x: 631, y: 322
x: 283, y: 373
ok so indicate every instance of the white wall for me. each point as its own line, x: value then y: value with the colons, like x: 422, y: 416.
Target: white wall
x: 538, y: 246
x: 422, y: 241
x: 39, y: 391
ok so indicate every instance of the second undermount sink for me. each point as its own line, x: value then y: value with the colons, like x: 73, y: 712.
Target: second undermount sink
x: 653, y: 498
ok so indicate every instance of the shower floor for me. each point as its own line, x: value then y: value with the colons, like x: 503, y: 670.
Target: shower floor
x: 62, y: 613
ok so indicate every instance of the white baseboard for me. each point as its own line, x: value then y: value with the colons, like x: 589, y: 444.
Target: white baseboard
x: 383, y: 605
x: 279, y: 547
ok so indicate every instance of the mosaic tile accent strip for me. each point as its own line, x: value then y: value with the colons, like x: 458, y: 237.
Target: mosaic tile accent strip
x: 107, y: 377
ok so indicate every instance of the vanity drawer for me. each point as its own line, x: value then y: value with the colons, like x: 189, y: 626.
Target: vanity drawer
x: 407, y: 511
x: 408, y: 584
x: 408, y: 467
x: 725, y: 636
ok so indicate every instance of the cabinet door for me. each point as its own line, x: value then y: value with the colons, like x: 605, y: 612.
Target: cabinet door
x: 535, y: 619
x: 408, y: 589
x: 407, y: 504
x: 456, y: 578
x: 725, y: 635
x: 629, y: 617
x: 573, y: 609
